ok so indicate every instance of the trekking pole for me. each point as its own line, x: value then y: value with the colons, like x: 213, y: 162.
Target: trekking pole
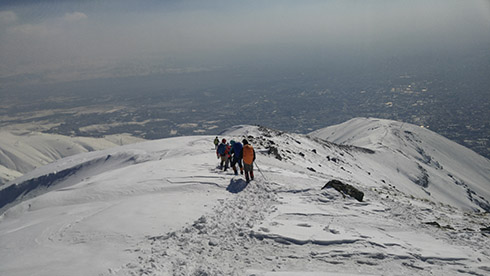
x: 260, y: 171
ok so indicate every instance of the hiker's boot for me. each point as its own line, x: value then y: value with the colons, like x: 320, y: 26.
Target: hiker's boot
x: 252, y: 175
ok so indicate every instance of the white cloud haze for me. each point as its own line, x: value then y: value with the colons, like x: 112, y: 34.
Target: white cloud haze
x: 7, y: 17
x: 74, y: 16
x: 39, y: 39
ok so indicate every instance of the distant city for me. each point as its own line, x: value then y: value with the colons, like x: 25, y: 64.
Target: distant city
x: 454, y: 103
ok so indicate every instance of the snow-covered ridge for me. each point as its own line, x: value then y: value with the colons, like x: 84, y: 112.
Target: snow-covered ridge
x: 22, y: 151
x: 163, y: 208
x: 31, y: 186
x: 440, y: 167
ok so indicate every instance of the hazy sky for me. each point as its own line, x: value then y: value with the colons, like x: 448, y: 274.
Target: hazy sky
x: 52, y: 41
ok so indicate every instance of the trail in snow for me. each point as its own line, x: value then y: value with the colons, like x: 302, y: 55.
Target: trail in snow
x: 222, y: 235
x: 261, y: 230
x: 171, y: 212
x: 288, y: 225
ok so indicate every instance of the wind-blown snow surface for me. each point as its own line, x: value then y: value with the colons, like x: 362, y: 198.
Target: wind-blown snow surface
x: 443, y: 169
x: 22, y: 151
x: 163, y: 208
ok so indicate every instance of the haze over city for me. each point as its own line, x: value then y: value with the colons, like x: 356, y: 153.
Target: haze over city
x: 206, y: 65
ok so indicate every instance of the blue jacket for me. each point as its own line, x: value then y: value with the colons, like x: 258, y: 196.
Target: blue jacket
x: 221, y: 149
x: 237, y: 149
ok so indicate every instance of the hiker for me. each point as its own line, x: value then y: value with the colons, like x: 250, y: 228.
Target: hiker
x: 236, y: 150
x: 216, y: 142
x: 222, y: 152
x: 248, y: 157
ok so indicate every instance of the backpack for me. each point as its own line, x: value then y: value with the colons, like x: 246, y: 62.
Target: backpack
x: 248, y: 154
x: 221, y: 149
x: 237, y: 149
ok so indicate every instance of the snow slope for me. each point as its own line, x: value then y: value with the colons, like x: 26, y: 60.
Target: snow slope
x: 442, y: 169
x: 163, y: 208
x: 22, y: 151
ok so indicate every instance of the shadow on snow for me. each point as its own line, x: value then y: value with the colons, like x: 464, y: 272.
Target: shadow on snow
x: 236, y: 186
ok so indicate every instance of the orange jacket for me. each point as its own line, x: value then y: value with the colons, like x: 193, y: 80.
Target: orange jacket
x: 248, y: 154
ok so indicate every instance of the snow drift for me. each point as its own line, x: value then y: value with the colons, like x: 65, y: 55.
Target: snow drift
x: 22, y: 151
x: 163, y: 208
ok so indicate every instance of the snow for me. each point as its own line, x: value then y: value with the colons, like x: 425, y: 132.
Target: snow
x: 22, y: 151
x: 413, y: 151
x: 94, y: 218
x: 164, y: 208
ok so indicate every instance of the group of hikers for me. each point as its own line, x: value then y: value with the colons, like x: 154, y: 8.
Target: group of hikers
x: 234, y: 152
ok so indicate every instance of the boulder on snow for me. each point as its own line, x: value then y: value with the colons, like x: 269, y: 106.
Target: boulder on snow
x: 345, y: 189
x: 274, y: 151
x: 436, y: 224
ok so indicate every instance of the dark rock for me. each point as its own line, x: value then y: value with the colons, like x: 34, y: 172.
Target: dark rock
x: 213, y: 242
x: 200, y: 223
x: 345, y: 189
x: 274, y: 151
x: 311, y: 169
x: 433, y: 223
x: 448, y: 227
x: 423, y: 179
x: 436, y: 224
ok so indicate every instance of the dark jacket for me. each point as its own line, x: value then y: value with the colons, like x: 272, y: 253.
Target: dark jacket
x: 221, y: 149
x: 237, y: 149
